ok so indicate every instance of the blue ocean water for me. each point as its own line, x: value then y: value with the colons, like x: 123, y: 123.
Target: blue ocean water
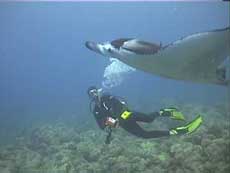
x: 45, y: 68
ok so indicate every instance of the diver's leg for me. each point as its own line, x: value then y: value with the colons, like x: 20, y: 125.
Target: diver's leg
x: 173, y: 113
x: 138, y: 116
x: 133, y: 128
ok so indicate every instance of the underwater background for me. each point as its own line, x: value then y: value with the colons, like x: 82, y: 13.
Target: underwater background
x: 45, y: 71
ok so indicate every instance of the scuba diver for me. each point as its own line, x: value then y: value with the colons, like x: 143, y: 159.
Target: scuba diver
x: 111, y: 112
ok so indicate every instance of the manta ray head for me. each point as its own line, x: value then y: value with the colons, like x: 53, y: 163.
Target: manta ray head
x: 124, y: 47
x: 105, y: 49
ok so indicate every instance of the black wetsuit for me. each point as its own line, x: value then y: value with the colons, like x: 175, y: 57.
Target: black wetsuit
x: 110, y: 106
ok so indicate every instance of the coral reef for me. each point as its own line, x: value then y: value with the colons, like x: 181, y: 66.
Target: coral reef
x: 61, y: 148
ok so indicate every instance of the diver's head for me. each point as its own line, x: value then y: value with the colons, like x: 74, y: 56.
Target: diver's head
x: 94, y: 93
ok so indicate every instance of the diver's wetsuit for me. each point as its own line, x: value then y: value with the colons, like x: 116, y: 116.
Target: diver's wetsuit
x: 110, y: 106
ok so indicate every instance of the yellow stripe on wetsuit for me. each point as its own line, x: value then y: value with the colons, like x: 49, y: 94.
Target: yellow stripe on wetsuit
x: 126, y: 114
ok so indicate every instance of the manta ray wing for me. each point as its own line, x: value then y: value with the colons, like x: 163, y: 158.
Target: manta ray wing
x: 194, y: 58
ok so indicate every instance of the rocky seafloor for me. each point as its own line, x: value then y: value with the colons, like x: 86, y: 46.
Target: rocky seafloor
x: 58, y: 147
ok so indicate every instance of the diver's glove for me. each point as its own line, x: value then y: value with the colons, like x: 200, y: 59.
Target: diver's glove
x: 173, y: 113
x: 111, y: 122
x: 188, y: 128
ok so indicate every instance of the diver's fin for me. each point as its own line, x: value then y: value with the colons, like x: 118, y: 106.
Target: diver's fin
x: 188, y: 128
x: 173, y: 113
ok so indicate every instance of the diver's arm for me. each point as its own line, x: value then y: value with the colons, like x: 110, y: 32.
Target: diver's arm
x: 100, y: 119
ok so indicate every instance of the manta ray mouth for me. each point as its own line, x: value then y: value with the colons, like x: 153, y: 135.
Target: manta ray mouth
x: 92, y: 46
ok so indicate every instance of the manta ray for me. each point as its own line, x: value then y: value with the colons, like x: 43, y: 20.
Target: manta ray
x: 198, y: 58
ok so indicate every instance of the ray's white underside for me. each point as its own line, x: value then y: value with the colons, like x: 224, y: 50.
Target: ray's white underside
x: 194, y: 58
